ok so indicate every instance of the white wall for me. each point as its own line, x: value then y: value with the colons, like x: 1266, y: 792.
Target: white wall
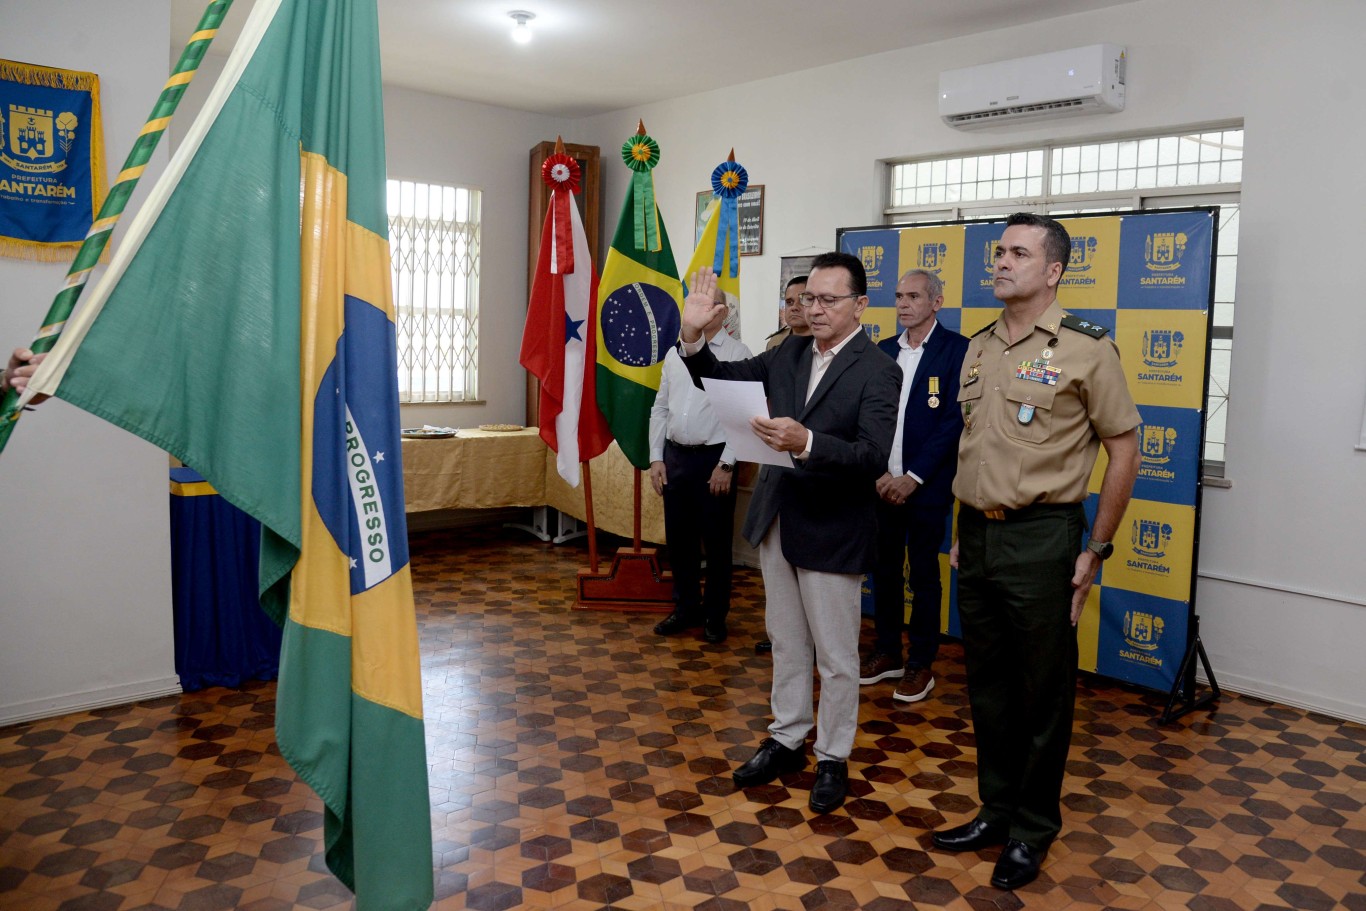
x: 1283, y: 589
x: 85, y: 587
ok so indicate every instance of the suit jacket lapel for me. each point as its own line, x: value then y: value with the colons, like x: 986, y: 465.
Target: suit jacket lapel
x: 842, y: 362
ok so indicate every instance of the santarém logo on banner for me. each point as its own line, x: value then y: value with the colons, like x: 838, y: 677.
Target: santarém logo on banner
x: 37, y: 141
x: 870, y: 256
x: 1163, y: 251
x: 1156, y: 447
x: 1143, y: 630
x: 1083, y: 254
x: 1162, y: 348
x: 1149, y: 538
x: 989, y: 262
x: 930, y: 257
x: 1085, y: 248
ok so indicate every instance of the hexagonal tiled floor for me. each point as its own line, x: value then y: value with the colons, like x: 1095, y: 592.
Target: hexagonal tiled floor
x: 578, y: 761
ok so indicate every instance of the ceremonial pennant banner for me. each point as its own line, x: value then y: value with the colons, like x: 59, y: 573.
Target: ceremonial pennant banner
x: 51, y: 160
x: 263, y: 356
x: 640, y: 306
x: 559, y: 343
x: 1147, y: 277
x: 718, y: 246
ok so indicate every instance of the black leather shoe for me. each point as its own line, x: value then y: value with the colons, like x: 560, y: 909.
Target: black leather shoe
x: 768, y: 762
x: 832, y: 783
x: 763, y: 647
x: 714, y: 630
x: 676, y: 622
x: 1017, y: 866
x: 971, y: 836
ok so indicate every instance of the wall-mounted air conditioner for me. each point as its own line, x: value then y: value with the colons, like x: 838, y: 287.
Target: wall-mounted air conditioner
x: 1083, y: 80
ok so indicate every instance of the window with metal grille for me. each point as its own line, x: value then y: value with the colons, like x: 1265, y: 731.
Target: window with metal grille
x: 1145, y: 172
x: 434, y: 245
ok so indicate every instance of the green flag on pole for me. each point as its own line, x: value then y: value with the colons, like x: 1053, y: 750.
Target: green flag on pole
x: 263, y: 356
x: 640, y: 305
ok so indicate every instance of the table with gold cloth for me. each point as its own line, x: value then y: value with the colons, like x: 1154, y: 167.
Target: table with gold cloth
x: 482, y: 469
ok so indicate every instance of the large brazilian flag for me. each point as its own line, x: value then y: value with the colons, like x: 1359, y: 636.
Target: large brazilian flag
x: 640, y: 304
x: 246, y: 326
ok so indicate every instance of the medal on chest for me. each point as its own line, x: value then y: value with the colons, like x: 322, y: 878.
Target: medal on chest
x: 1039, y: 370
x: 933, y: 400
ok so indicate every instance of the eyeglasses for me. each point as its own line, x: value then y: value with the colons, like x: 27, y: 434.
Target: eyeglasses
x: 827, y: 301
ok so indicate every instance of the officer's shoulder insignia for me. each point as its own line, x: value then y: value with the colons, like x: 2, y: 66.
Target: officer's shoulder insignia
x: 987, y: 328
x: 1085, y: 327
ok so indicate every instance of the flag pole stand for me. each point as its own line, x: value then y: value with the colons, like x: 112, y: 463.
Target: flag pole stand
x: 633, y: 582
x: 1183, y: 697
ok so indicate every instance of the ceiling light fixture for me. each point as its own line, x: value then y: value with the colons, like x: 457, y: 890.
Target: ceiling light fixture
x: 521, y: 32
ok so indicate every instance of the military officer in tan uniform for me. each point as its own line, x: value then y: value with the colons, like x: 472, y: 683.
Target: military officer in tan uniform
x: 1041, y: 392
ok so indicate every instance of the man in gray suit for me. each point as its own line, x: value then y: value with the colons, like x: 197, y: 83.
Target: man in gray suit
x: 833, y: 400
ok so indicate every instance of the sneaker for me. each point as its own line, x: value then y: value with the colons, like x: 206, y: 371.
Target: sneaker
x: 915, y: 685
x: 876, y: 667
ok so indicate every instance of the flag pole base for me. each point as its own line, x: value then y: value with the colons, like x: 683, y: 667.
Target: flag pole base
x: 634, y: 582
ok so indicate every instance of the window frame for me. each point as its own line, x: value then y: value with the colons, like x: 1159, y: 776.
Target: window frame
x: 443, y: 369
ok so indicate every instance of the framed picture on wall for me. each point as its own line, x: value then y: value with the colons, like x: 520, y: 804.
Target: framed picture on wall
x: 751, y: 213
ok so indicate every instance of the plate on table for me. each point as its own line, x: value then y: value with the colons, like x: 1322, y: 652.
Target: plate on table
x: 501, y: 428
x: 417, y: 433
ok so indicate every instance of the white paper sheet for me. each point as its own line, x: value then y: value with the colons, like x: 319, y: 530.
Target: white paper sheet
x: 734, y: 402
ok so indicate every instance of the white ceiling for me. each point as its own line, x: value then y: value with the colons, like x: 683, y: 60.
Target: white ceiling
x: 593, y: 56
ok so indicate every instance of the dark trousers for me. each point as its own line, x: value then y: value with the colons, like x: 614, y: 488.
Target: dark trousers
x: 1014, y: 598
x: 908, y: 542
x: 695, y: 518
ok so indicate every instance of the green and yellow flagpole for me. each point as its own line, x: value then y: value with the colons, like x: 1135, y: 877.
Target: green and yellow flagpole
x: 97, y: 238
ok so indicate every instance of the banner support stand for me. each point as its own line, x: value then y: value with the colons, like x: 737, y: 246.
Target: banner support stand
x: 1185, y: 685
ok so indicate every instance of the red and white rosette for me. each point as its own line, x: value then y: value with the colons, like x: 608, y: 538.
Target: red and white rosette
x: 563, y: 175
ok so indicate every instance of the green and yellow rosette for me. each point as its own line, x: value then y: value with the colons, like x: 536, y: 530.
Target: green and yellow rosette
x: 641, y: 154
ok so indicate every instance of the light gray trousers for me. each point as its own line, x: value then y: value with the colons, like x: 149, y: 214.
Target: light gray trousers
x: 811, y: 616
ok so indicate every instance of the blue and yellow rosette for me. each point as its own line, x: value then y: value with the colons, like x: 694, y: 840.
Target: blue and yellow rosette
x: 728, y: 181
x: 641, y: 154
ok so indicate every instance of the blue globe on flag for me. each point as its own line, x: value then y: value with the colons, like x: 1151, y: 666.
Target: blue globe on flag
x: 640, y: 323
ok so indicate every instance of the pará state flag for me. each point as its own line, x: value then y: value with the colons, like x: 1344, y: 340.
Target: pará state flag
x: 559, y: 344
x: 640, y: 305
x: 704, y: 258
x: 246, y: 326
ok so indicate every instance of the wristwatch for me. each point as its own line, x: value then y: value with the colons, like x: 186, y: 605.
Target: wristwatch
x: 724, y: 467
x: 1102, y: 549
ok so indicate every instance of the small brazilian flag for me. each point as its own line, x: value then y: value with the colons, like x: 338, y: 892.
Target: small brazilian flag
x: 640, y: 305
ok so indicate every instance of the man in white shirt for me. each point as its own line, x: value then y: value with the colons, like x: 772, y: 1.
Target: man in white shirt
x: 692, y: 468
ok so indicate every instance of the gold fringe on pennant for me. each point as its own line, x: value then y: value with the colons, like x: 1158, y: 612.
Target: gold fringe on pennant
x: 48, y: 76
x: 73, y: 80
x: 39, y: 252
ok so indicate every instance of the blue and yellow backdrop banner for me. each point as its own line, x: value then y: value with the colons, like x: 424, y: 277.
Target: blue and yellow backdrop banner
x: 51, y: 160
x: 1147, y: 276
